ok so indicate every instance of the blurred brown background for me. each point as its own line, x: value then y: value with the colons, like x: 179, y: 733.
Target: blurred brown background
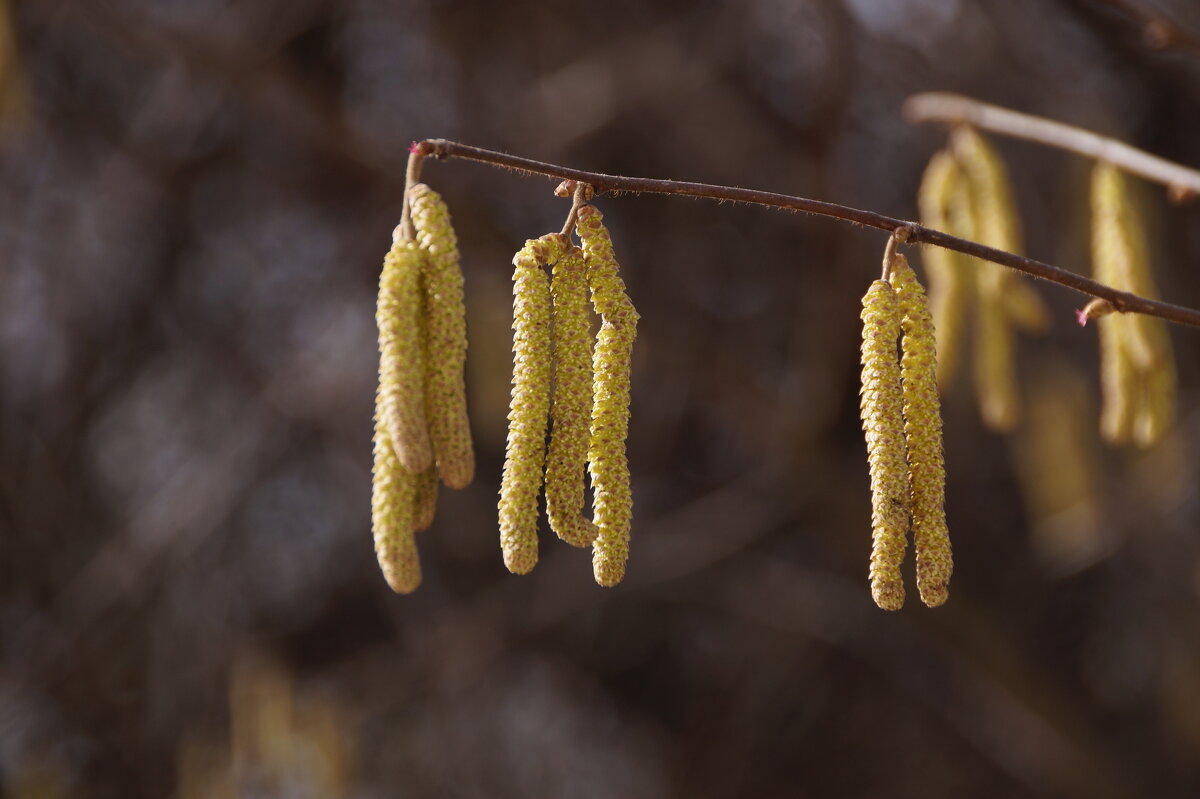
x: 196, y: 199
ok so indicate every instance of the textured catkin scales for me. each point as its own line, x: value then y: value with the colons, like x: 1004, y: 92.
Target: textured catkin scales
x: 572, y: 406
x: 398, y: 315
x: 944, y: 202
x: 529, y: 408
x: 612, y: 498
x: 923, y: 437
x: 392, y: 513
x: 883, y: 425
x: 446, y: 339
x: 1137, y: 367
x: 425, y: 496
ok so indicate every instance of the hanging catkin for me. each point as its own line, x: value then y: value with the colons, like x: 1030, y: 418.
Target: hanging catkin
x: 572, y: 406
x: 923, y: 437
x: 612, y: 503
x: 995, y: 223
x: 446, y: 342
x: 392, y: 508
x: 883, y: 425
x: 530, y: 405
x: 1137, y: 367
x: 398, y: 314
x: 944, y: 202
x: 425, y: 496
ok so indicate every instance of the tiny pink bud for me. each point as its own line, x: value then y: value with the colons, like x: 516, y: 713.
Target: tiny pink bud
x: 1081, y: 316
x: 415, y: 147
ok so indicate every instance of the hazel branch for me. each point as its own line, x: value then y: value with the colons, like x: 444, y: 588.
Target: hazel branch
x: 957, y: 109
x: 916, y: 234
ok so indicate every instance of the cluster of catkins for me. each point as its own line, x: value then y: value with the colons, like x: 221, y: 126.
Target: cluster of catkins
x: 966, y: 191
x: 902, y: 420
x: 580, y: 391
x: 421, y: 428
x: 1137, y: 369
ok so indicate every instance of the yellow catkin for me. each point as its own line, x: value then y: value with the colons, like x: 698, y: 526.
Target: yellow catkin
x: 612, y: 497
x: 398, y: 314
x: 392, y: 509
x: 1137, y: 368
x: 572, y: 408
x: 923, y: 437
x: 446, y: 339
x: 996, y: 224
x: 425, y: 496
x: 944, y: 203
x: 529, y: 409
x: 883, y: 425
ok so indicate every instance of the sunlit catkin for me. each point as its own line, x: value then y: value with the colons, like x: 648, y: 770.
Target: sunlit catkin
x: 1137, y: 366
x: 572, y: 407
x: 392, y: 508
x: 529, y: 409
x: 923, y: 437
x: 446, y: 341
x: 398, y: 314
x: 944, y: 202
x: 883, y: 425
x: 996, y: 224
x: 612, y: 504
x: 425, y: 496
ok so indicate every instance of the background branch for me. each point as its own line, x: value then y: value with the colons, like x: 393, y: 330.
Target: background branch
x: 956, y: 109
x: 602, y: 183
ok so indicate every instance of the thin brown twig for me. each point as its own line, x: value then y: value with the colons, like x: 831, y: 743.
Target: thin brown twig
x: 957, y: 109
x: 917, y: 234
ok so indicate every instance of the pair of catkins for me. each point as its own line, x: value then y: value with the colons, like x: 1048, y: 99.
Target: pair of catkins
x: 421, y: 427
x: 581, y: 391
x: 902, y: 421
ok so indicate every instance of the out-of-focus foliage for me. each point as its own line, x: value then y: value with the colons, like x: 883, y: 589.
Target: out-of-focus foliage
x: 193, y: 214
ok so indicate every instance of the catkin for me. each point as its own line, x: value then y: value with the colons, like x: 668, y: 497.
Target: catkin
x: 883, y: 425
x: 530, y: 405
x: 1137, y: 367
x: 425, y: 496
x: 923, y: 437
x: 995, y: 223
x: 612, y: 503
x: 392, y: 508
x: 944, y: 202
x: 446, y: 341
x: 572, y: 406
x: 401, y: 360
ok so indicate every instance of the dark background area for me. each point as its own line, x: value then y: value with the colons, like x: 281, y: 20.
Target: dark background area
x: 196, y: 199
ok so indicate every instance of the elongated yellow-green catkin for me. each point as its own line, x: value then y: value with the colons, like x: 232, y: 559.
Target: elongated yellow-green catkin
x: 425, y: 496
x: 1137, y: 367
x: 529, y: 409
x: 398, y: 314
x: 944, y: 203
x: 883, y: 425
x: 923, y: 437
x: 392, y: 509
x: 572, y: 407
x: 612, y: 498
x: 1118, y: 382
x: 995, y: 368
x: 446, y: 339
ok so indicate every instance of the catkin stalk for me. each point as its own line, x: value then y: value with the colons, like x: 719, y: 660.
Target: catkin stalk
x: 612, y: 503
x: 529, y: 408
x: 883, y: 425
x: 398, y: 314
x: 572, y: 406
x: 392, y: 508
x: 923, y: 437
x: 446, y: 342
